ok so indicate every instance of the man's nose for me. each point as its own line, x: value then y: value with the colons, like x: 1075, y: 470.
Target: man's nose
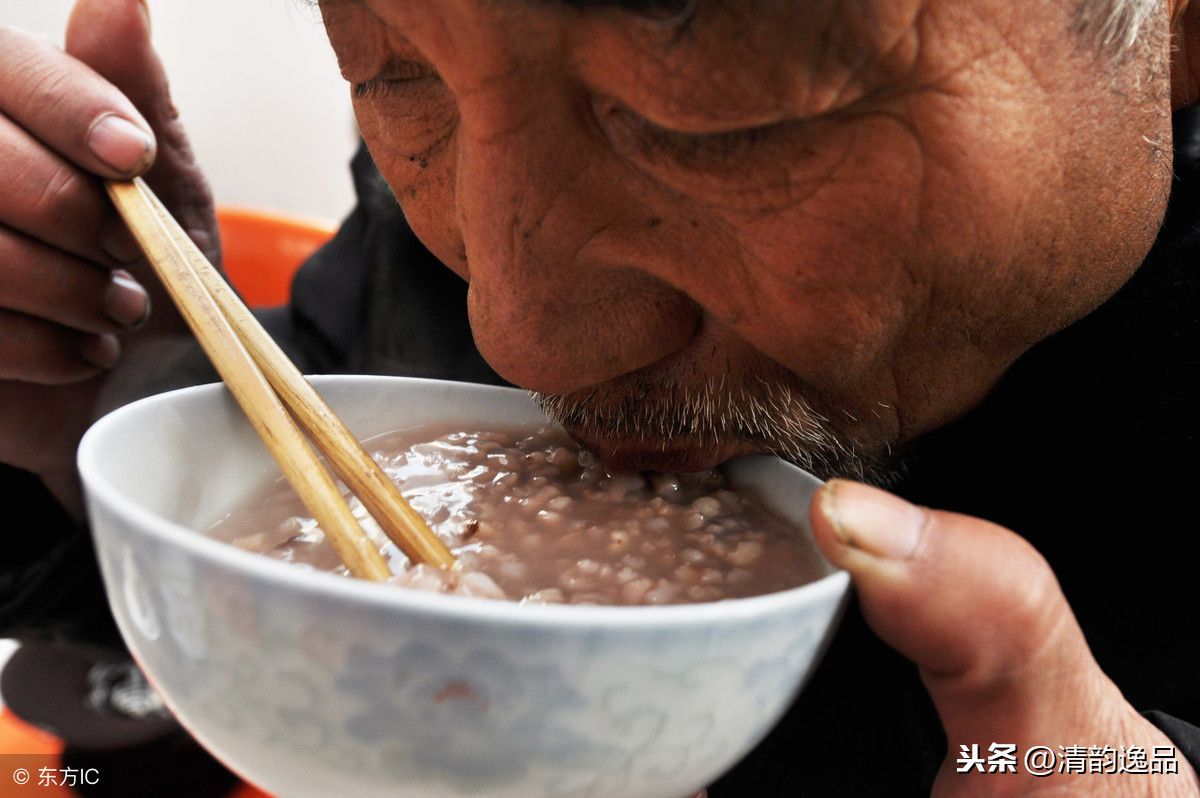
x: 542, y: 208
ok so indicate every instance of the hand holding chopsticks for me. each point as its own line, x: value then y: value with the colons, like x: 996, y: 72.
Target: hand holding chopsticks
x: 263, y: 380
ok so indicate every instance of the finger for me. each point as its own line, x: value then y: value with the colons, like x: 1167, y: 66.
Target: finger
x: 974, y: 605
x: 48, y: 198
x: 39, y: 351
x: 65, y: 104
x: 50, y: 284
x: 137, y: 71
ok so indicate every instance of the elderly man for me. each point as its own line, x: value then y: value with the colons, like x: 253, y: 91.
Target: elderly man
x: 920, y: 243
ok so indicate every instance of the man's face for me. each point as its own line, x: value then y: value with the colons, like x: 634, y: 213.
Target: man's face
x: 810, y: 228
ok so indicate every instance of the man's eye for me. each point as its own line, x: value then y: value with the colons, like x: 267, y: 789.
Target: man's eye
x: 707, y: 146
x: 374, y: 88
x: 699, y: 149
x: 396, y: 76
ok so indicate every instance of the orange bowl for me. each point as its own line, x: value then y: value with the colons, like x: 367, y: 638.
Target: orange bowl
x: 262, y: 250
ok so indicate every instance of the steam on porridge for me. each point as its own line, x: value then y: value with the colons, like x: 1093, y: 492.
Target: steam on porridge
x: 535, y: 518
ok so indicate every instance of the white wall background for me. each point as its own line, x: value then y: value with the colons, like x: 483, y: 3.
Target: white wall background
x: 259, y: 90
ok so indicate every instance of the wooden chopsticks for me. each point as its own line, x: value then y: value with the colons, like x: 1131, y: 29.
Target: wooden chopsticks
x: 239, y: 347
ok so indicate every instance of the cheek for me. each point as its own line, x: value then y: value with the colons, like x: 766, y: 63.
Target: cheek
x: 843, y: 264
x: 825, y: 282
x: 423, y: 183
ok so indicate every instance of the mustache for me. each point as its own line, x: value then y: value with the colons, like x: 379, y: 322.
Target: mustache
x: 769, y: 412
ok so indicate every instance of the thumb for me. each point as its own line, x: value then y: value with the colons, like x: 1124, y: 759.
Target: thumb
x: 976, y: 608
x: 113, y: 38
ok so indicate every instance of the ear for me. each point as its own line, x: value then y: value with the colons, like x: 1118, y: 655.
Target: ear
x: 1185, y: 52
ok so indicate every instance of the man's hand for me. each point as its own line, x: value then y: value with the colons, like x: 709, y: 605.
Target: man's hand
x: 981, y: 614
x: 72, y: 281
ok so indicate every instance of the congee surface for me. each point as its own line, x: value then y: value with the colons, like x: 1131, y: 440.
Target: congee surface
x: 532, y: 517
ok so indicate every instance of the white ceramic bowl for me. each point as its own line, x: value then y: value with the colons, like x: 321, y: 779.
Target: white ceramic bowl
x: 310, y: 684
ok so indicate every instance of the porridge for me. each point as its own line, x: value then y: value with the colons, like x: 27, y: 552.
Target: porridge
x: 534, y: 518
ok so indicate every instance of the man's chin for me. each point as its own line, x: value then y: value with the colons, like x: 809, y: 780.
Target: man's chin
x: 675, y: 455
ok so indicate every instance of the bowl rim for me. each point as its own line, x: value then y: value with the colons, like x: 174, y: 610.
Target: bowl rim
x: 321, y: 584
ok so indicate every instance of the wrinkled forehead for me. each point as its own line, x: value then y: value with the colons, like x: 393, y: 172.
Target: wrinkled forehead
x: 752, y: 53
x: 740, y: 23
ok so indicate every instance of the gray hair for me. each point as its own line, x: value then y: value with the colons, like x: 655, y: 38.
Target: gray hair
x: 1115, y: 24
x: 767, y: 412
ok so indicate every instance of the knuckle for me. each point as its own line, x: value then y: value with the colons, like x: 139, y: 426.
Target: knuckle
x: 13, y: 272
x: 42, y: 69
x: 1036, y: 606
x: 54, y: 287
x: 1035, y: 601
x: 55, y: 200
x: 44, y: 86
x: 30, y: 353
x: 42, y: 189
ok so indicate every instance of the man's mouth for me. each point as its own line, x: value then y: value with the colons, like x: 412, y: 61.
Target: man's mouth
x: 675, y: 417
x: 713, y: 400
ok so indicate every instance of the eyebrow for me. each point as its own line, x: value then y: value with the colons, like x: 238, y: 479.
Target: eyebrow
x: 667, y: 7
x: 672, y: 10
x: 673, y: 16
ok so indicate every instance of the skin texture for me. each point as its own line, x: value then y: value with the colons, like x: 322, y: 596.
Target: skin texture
x: 876, y: 212
x: 60, y: 239
x: 924, y: 579
x: 862, y: 218
x: 879, y: 215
